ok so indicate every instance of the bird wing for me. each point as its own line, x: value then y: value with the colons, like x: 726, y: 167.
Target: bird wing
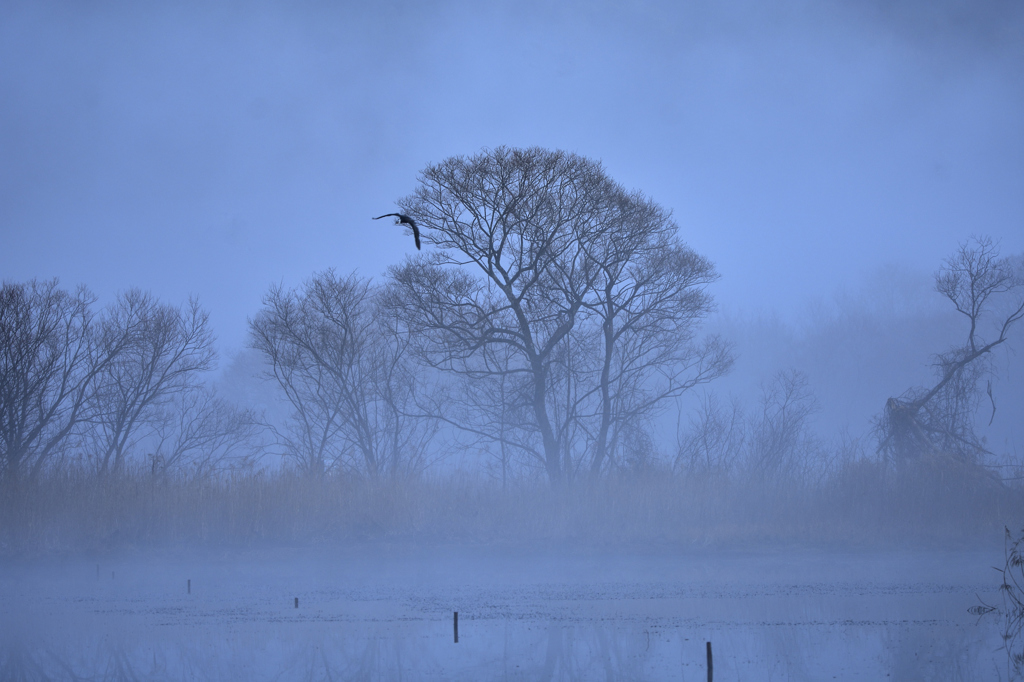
x: 408, y: 221
x: 411, y: 223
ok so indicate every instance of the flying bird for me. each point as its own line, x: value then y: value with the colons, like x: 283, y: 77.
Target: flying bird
x: 402, y: 219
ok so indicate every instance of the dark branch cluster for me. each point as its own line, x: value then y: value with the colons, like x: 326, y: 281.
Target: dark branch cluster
x: 939, y: 421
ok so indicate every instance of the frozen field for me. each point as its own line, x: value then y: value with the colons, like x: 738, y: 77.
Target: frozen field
x: 386, y: 614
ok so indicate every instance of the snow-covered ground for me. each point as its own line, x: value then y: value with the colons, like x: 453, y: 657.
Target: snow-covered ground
x: 379, y: 613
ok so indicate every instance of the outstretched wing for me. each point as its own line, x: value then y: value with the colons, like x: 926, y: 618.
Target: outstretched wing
x: 415, y: 232
x: 405, y: 220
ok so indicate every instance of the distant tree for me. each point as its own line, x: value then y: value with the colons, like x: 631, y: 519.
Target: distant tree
x: 165, y: 350
x: 713, y: 439
x: 989, y: 292
x: 342, y: 367
x: 204, y: 434
x: 778, y: 440
x: 770, y: 441
x: 51, y: 353
x: 561, y: 289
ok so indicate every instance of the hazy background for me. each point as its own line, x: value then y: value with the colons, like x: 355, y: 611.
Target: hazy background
x: 825, y: 155
x: 216, y: 148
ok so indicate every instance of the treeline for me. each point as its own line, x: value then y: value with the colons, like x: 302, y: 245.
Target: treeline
x: 95, y: 390
x: 553, y: 318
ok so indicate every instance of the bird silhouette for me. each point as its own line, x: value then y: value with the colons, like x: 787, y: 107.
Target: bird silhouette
x: 403, y: 219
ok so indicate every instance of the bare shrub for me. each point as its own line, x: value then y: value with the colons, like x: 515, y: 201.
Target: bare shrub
x: 1012, y: 591
x: 713, y: 440
x: 779, y: 442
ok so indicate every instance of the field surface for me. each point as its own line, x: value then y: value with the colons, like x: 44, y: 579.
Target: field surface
x: 386, y: 613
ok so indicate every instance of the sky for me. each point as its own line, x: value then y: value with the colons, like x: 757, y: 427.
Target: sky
x: 216, y: 149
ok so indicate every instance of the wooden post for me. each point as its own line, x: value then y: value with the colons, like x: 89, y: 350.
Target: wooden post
x: 711, y: 665
x: 296, y: 602
x: 190, y: 585
x: 456, y: 627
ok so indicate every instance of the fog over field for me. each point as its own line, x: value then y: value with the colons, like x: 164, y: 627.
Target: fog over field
x: 630, y: 332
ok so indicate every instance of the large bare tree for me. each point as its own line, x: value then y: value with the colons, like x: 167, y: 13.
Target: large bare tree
x: 988, y: 291
x: 552, y: 276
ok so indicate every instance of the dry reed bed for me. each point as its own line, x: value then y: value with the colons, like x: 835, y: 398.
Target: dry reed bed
x: 81, y: 513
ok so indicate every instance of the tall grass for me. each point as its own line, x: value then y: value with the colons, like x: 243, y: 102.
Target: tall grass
x: 864, y: 504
